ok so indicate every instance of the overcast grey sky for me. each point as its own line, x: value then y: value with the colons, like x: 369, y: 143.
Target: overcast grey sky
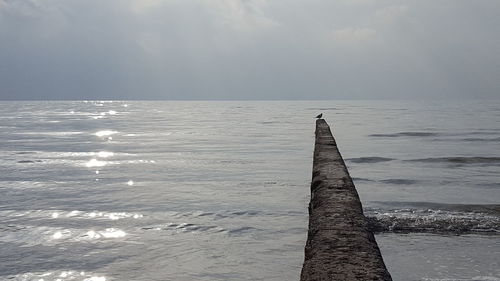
x: 249, y: 49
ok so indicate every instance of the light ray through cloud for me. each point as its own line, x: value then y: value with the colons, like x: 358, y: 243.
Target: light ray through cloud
x: 249, y: 49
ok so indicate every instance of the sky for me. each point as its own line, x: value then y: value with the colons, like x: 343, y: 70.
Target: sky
x: 249, y: 49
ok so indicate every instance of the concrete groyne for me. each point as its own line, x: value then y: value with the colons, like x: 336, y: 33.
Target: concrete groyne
x: 339, y: 244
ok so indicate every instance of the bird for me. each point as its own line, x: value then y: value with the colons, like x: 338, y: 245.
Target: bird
x: 319, y: 116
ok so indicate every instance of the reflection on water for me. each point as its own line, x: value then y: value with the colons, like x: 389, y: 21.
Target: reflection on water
x: 29, y: 236
x: 104, y: 154
x: 95, y: 163
x: 108, y: 233
x: 220, y: 189
x: 105, y: 133
x: 61, y: 214
x: 58, y: 276
x: 57, y: 235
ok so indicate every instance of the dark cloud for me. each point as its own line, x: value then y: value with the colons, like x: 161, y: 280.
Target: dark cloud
x: 249, y: 49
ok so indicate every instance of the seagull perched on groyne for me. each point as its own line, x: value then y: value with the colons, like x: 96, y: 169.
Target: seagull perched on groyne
x: 319, y: 116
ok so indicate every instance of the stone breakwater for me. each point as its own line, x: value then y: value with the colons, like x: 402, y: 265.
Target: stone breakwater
x: 339, y: 245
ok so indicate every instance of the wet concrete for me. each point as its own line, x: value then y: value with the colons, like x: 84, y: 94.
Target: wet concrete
x: 339, y: 244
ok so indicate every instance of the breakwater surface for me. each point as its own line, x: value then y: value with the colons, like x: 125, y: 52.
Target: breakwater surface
x: 340, y: 245
x: 219, y: 190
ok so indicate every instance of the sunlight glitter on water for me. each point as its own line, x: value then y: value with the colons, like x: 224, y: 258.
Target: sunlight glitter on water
x: 105, y: 154
x: 95, y: 163
x: 65, y: 275
x: 75, y: 214
x: 105, y: 133
x: 108, y: 233
x: 57, y: 235
x: 199, y: 172
x: 78, y: 236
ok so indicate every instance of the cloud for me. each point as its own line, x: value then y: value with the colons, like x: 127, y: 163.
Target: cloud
x: 143, y: 6
x: 391, y: 12
x: 242, y: 15
x: 354, y: 35
x: 248, y: 49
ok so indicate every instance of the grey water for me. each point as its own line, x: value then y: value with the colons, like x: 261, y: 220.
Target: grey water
x: 136, y: 190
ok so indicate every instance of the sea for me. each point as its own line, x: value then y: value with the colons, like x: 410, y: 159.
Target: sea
x: 218, y: 190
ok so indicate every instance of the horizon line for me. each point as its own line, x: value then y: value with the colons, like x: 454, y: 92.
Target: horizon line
x: 268, y: 100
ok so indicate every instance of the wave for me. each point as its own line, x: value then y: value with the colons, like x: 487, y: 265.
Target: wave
x: 492, y: 209
x: 480, y: 139
x: 490, y: 185
x: 406, y: 134
x: 485, y: 132
x: 399, y: 181
x: 185, y: 227
x: 474, y: 135
x: 433, y: 221
x: 25, y: 152
x: 362, y: 179
x: 369, y: 159
x: 388, y: 181
x: 323, y: 108
x: 459, y: 160
x: 29, y: 161
x: 476, y: 278
x: 434, y: 217
x: 243, y: 230
x: 220, y: 215
x: 196, y: 228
